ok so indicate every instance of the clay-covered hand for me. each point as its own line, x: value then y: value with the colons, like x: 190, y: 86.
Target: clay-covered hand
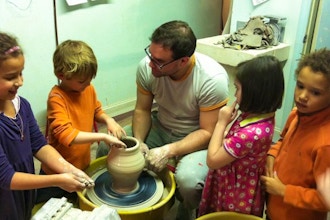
x: 144, y: 149
x: 157, y: 158
x: 73, y: 179
x: 82, y: 177
x: 72, y: 182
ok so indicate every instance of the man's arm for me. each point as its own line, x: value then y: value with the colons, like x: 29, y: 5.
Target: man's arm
x: 158, y: 157
x: 142, y: 116
x: 198, y: 139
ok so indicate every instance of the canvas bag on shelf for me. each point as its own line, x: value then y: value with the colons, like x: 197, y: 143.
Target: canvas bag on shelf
x: 256, y: 34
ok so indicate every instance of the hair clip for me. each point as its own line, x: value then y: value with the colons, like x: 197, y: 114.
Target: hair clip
x: 12, y: 49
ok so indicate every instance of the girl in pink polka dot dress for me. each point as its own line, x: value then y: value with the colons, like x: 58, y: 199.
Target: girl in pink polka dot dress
x: 236, y: 159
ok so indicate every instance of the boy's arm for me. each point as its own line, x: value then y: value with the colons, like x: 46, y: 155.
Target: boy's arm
x: 60, y: 125
x: 275, y: 148
x: 310, y: 198
x: 272, y: 153
x: 90, y: 137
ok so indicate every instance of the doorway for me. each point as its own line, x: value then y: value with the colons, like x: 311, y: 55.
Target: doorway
x: 318, y: 29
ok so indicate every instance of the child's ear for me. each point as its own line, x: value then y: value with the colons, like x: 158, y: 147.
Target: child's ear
x: 60, y: 75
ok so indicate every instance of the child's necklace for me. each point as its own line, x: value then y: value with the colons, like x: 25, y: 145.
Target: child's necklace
x: 21, y: 130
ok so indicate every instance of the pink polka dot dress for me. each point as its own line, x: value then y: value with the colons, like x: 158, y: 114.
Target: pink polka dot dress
x: 236, y: 186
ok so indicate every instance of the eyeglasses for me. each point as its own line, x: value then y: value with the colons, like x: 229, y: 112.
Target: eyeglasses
x: 155, y: 62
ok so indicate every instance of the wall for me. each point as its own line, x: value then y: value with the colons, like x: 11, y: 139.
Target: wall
x: 32, y: 22
x: 296, y: 12
x: 117, y: 30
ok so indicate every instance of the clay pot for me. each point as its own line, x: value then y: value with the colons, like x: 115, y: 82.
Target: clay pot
x: 125, y: 166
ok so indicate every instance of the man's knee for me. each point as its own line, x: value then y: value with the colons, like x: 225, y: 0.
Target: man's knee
x: 190, y: 177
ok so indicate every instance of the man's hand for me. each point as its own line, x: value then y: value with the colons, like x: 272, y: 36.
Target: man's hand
x: 144, y: 149
x: 157, y: 158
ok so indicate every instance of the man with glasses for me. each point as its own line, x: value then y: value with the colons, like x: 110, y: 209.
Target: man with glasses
x: 189, y: 88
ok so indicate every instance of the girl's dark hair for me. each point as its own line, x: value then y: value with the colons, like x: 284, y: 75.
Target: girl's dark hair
x: 177, y: 36
x: 262, y: 84
x: 8, y: 47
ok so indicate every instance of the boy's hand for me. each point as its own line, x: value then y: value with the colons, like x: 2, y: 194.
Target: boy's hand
x: 116, y: 130
x: 274, y: 185
x: 113, y: 141
x: 269, y: 166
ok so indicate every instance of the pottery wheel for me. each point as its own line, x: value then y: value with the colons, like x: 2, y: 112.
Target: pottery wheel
x: 149, y: 191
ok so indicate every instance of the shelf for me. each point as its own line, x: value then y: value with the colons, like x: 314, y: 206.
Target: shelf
x: 233, y: 57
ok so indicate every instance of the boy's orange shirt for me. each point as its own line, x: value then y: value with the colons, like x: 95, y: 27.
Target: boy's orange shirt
x: 300, y: 156
x: 67, y: 114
